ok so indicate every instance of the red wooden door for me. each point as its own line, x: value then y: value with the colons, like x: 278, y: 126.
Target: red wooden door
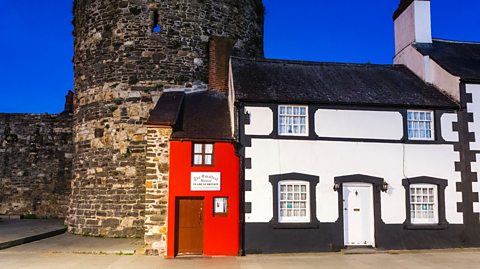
x: 190, y: 227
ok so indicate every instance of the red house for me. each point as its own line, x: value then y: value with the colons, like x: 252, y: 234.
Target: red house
x: 203, y: 203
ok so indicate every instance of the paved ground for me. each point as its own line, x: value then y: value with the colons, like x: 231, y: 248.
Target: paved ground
x: 64, y: 251
x: 74, y: 244
x: 17, y: 231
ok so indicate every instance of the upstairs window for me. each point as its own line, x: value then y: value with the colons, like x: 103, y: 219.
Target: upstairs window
x: 202, y: 154
x: 420, y: 125
x: 294, y: 201
x: 293, y: 120
x: 423, y: 204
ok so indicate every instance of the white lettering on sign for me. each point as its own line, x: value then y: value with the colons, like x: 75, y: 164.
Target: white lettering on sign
x: 201, y: 181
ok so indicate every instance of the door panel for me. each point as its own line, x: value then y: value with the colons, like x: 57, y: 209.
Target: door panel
x: 358, y: 215
x: 190, y: 226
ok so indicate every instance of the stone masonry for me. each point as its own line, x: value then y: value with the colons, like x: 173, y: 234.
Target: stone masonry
x: 36, y: 153
x: 157, y: 190
x: 126, y: 54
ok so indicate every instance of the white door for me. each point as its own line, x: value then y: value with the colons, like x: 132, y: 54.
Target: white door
x: 358, y: 217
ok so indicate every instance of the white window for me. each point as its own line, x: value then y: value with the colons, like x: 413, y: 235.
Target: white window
x: 292, y: 120
x: 420, y: 125
x: 423, y: 204
x: 202, y: 154
x: 293, y: 201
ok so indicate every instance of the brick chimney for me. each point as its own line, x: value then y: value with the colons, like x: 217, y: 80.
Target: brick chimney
x: 412, y: 23
x: 220, y: 49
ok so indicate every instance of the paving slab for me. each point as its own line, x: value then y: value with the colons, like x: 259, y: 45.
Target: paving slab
x: 464, y: 259
x: 76, y: 244
x: 14, y: 232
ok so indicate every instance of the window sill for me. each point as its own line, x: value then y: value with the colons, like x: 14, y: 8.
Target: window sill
x: 293, y: 135
x: 310, y: 225
x: 440, y: 226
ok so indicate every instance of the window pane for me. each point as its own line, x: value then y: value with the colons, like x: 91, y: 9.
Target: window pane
x: 208, y: 159
x: 197, y: 148
x: 197, y: 159
x: 208, y: 148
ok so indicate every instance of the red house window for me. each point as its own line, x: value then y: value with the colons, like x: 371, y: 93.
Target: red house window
x: 202, y: 154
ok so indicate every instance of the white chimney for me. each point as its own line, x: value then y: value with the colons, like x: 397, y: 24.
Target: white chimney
x: 412, y: 23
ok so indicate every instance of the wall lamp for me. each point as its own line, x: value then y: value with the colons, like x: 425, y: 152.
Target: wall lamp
x: 384, y: 186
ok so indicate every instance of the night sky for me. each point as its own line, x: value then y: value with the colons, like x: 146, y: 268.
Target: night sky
x: 36, y: 46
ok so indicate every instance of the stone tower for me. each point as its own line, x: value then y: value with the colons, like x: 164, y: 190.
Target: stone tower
x: 126, y: 54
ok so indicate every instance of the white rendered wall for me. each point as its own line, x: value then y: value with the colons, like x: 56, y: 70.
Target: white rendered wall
x: 359, y: 124
x: 446, y: 124
x: 331, y: 159
x: 261, y: 121
x: 474, y: 126
x: 328, y: 159
x: 474, y: 108
x: 423, y: 24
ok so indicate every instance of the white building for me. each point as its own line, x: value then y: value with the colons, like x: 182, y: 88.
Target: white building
x: 341, y: 155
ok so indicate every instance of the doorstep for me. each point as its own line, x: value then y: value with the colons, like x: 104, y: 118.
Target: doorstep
x: 361, y: 250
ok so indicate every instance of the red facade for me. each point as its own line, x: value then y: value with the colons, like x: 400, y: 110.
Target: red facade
x: 220, y: 231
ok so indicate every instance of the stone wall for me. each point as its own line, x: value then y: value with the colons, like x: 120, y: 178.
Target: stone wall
x: 35, y: 164
x: 121, y: 67
x: 158, y: 155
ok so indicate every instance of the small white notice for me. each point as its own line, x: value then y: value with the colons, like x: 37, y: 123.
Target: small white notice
x: 205, y: 181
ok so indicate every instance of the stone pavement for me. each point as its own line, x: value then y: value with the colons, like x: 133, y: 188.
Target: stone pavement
x: 77, y: 244
x: 43, y: 255
x: 14, y: 232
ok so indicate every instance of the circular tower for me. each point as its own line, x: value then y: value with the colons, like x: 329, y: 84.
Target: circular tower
x: 126, y: 53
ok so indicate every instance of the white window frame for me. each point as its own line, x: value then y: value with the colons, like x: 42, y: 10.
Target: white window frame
x: 203, y: 154
x: 413, y: 218
x: 279, y: 117
x: 294, y: 219
x: 432, y: 126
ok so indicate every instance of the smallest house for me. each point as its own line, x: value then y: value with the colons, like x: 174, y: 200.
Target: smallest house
x: 203, y: 182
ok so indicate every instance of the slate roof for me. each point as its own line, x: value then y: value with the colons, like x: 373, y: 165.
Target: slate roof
x: 461, y: 59
x: 280, y: 81
x: 167, y: 109
x: 199, y: 116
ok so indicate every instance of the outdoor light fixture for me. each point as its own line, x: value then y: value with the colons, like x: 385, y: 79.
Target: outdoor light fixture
x: 385, y: 186
x: 247, y: 117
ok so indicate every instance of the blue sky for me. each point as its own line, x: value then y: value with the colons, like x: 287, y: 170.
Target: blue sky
x: 36, y: 46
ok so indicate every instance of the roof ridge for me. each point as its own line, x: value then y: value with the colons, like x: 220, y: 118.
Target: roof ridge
x: 455, y: 41
x: 303, y: 62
